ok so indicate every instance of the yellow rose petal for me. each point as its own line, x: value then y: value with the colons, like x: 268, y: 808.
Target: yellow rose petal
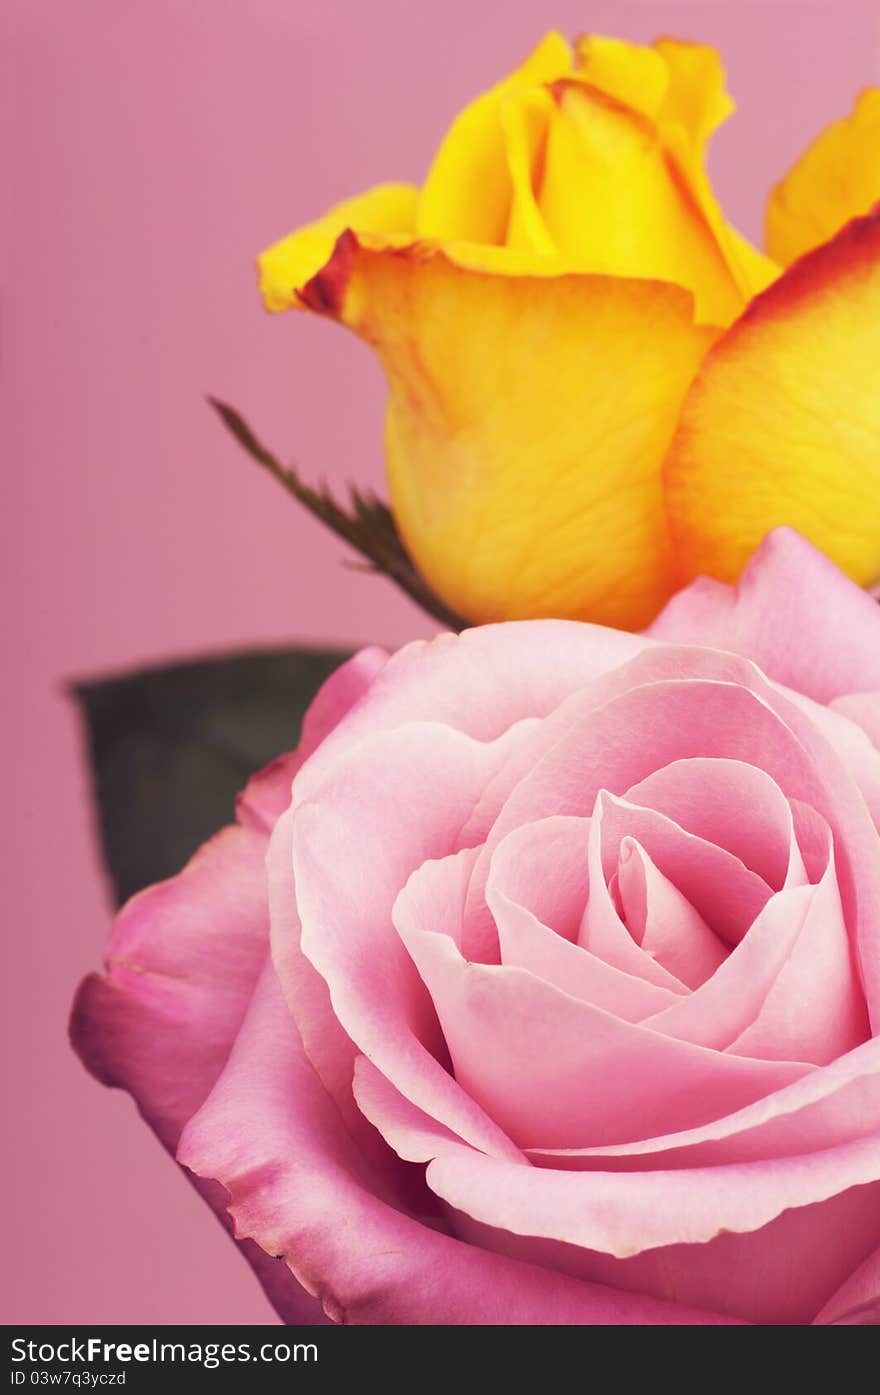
x: 528, y: 419
x: 679, y: 89
x: 467, y: 194
x: 836, y: 178
x: 782, y: 425
x: 696, y: 99
x: 525, y: 118
x: 633, y: 74
x: 613, y: 204
x: 286, y: 266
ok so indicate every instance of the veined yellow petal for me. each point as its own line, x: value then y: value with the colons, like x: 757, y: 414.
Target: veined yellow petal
x: 528, y: 419
x: 782, y: 425
x: 836, y: 178
x: 467, y: 194
x: 289, y: 264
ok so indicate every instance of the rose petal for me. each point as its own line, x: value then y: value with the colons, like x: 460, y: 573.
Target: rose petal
x: 864, y: 709
x: 544, y: 868
x: 296, y: 1185
x: 829, y: 1107
x: 182, y: 960
x: 662, y: 920
x: 814, y: 1009
x: 589, y: 745
x: 267, y: 794
x: 779, y: 1272
x: 181, y: 964
x: 288, y: 265
x: 833, y: 1105
x: 781, y: 425
x: 736, y: 714
x: 727, y: 1003
x: 328, y: 1047
x: 554, y: 1071
x: 585, y: 745
x: 836, y: 178
x: 602, y: 931
x: 853, y: 743
x: 792, y: 611
x: 613, y: 201
x: 726, y: 894
x: 483, y: 431
x: 832, y: 1221
x: 857, y: 1302
x: 467, y: 193
x: 530, y: 943
x: 485, y: 680
x: 707, y: 798
x: 394, y: 802
x: 763, y: 1001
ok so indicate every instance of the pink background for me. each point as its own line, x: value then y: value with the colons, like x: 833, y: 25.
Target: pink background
x: 155, y: 145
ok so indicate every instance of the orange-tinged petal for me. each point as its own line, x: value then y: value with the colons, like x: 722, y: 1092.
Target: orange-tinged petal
x: 467, y: 194
x: 528, y: 419
x: 290, y: 263
x: 837, y: 178
x: 782, y: 425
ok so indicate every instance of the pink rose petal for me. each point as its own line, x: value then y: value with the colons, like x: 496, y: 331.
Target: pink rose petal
x: 779, y: 1269
x: 356, y: 840
x: 826, y: 1107
x: 554, y: 1071
x: 297, y: 1186
x: 864, y: 710
x: 832, y: 1223
x: 530, y: 943
x: 857, y: 1302
x: 726, y: 894
x: 662, y: 920
x: 814, y: 1009
x: 486, y: 679
x: 793, y: 612
x: 181, y: 965
x: 267, y: 795
x: 707, y: 797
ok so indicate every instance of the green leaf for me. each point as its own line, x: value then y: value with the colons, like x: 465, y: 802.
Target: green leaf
x: 369, y: 527
x: 171, y: 747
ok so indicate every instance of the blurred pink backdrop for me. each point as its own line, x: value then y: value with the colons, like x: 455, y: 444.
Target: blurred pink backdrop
x: 154, y: 146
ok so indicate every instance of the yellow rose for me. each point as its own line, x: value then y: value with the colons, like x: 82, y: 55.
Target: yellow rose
x: 542, y: 307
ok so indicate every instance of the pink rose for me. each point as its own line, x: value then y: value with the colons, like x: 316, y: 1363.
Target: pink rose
x: 560, y: 1001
